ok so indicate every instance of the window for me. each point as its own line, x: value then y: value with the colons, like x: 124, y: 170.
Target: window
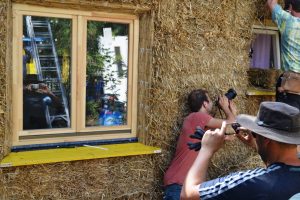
x: 74, y: 75
x: 265, y: 49
x: 264, y: 57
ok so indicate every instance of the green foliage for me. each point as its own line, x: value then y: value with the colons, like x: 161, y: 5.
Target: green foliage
x: 95, y: 64
x: 119, y: 62
x: 95, y: 59
x: 92, y: 108
x: 98, y: 59
x: 62, y: 34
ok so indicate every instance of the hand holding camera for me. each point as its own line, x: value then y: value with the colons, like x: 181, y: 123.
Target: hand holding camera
x: 226, y: 104
x: 228, y: 96
x: 34, y: 87
x: 223, y: 102
x: 245, y: 136
x: 40, y: 88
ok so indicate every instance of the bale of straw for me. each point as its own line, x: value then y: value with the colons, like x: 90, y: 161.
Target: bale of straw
x: 5, y: 61
x: 264, y: 78
x: 120, y: 178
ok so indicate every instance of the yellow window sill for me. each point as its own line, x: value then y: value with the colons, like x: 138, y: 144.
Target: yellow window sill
x: 260, y: 92
x: 77, y: 153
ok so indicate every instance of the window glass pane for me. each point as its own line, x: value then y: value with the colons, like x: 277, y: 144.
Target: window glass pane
x: 46, y: 72
x: 263, y: 52
x: 106, y: 80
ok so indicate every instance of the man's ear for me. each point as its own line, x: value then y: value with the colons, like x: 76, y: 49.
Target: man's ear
x: 267, y: 140
x: 205, y: 104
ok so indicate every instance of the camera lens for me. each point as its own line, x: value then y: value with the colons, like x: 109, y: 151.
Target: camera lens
x: 231, y: 94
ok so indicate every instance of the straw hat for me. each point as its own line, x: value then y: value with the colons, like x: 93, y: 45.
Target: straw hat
x: 275, y: 120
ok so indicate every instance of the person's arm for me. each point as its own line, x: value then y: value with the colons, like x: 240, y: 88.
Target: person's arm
x: 271, y: 4
x: 233, y: 108
x: 212, y: 141
x: 279, y: 16
x: 230, y: 112
x: 228, y: 107
x: 43, y: 89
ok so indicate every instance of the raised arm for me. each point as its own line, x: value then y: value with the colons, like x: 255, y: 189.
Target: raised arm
x: 211, y: 142
x: 271, y: 4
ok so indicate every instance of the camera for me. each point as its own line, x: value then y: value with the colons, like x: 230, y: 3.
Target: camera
x: 35, y: 86
x: 235, y: 127
x: 230, y: 94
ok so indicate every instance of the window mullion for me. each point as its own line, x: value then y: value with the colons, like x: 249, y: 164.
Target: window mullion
x: 81, y: 73
x: 74, y: 64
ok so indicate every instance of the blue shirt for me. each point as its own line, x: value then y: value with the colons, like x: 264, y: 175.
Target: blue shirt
x: 289, y: 27
x: 277, y: 182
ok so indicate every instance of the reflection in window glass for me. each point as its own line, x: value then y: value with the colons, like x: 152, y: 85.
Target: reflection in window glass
x: 107, y: 68
x: 46, y: 72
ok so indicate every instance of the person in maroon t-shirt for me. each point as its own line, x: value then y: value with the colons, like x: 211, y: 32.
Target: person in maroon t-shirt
x: 201, y: 106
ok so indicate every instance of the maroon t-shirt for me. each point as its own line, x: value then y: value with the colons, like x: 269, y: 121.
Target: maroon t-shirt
x: 184, y: 157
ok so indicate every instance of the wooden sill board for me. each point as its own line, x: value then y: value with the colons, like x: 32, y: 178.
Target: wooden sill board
x: 260, y: 92
x: 77, y: 153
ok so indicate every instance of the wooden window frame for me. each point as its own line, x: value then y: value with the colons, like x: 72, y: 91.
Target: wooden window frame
x: 77, y: 131
x: 273, y: 31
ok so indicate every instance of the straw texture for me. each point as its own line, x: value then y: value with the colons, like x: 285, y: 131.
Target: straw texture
x: 184, y: 45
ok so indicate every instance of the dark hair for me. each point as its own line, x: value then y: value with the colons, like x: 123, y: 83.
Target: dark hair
x: 295, y: 5
x: 196, y: 99
x: 287, y: 4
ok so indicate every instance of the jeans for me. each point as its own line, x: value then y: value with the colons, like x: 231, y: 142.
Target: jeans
x: 172, y: 192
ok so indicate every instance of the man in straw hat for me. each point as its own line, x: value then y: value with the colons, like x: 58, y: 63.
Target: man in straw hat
x: 274, y: 133
x: 288, y: 22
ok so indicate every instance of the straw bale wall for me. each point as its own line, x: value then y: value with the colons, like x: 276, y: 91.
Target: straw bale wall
x: 184, y: 45
x: 123, y: 178
x: 5, y: 61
